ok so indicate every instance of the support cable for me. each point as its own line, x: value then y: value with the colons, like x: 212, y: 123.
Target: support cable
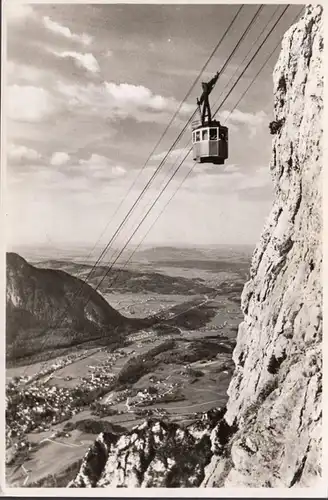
x: 181, y: 163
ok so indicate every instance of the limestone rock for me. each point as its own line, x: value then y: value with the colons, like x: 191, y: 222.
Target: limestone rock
x: 275, y: 393
x: 153, y: 454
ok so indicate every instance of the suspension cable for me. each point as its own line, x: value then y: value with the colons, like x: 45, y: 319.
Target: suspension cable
x: 150, y: 180
x: 105, y: 250
x: 223, y: 68
x: 176, y: 170
x: 193, y: 166
x: 166, y: 130
x: 179, y: 136
x: 244, y: 93
x: 231, y: 78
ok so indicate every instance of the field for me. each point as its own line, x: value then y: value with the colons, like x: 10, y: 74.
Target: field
x: 176, y: 369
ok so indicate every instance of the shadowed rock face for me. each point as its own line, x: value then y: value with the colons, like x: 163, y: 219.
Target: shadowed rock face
x: 52, y: 302
x: 270, y: 435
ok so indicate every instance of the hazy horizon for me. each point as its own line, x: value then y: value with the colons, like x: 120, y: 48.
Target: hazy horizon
x: 89, y: 252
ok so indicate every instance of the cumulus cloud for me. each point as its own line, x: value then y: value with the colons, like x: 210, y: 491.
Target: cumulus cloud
x: 101, y: 167
x: 121, y: 101
x: 251, y: 120
x: 86, y: 61
x: 19, y: 153
x: 66, y: 32
x: 125, y: 94
x: 59, y: 158
x: 245, y: 118
x: 28, y: 103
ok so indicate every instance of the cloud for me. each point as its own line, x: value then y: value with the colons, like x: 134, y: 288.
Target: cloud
x: 86, y: 61
x: 66, y: 32
x: 125, y: 94
x: 138, y: 95
x: 84, y: 176
x: 121, y: 101
x: 28, y: 103
x: 252, y: 120
x: 19, y: 153
x: 101, y: 167
x: 59, y: 158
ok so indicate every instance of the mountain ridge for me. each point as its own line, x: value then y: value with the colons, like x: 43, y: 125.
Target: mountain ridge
x: 52, y: 303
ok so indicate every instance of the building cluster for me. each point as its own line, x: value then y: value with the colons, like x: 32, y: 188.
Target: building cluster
x: 142, y: 335
x: 152, y: 395
x: 151, y: 412
x: 34, y: 405
x: 113, y: 357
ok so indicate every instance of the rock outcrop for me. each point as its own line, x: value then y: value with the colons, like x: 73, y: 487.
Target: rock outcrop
x: 154, y: 454
x: 270, y: 435
x: 53, y: 303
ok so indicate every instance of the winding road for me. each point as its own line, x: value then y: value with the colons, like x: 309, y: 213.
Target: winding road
x: 69, y: 445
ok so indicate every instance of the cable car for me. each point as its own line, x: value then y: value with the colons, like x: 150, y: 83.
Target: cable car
x: 209, y: 137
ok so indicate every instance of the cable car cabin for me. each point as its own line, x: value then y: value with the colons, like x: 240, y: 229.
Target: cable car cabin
x: 210, y: 143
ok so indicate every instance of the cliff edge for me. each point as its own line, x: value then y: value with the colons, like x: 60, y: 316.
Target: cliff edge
x: 275, y: 393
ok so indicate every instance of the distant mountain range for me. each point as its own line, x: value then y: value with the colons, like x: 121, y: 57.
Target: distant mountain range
x: 151, y: 253
x: 138, y: 280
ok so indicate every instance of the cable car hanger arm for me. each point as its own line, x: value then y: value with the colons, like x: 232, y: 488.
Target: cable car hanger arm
x: 207, y: 88
x: 204, y: 99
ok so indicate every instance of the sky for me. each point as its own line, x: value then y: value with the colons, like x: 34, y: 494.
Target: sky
x: 90, y: 89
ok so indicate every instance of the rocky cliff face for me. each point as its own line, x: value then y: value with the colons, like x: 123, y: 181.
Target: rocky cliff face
x: 275, y: 394
x: 270, y: 435
x: 45, y: 302
x: 154, y: 454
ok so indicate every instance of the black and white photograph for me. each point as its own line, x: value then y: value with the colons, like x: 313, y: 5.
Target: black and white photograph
x: 162, y: 209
